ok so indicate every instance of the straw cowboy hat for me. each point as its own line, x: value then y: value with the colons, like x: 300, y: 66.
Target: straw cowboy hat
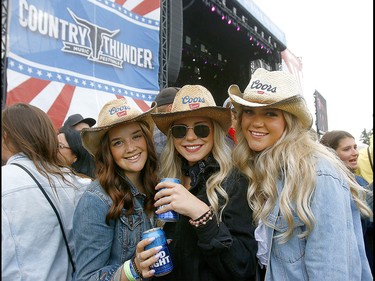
x: 113, y: 113
x: 193, y: 101
x: 276, y: 89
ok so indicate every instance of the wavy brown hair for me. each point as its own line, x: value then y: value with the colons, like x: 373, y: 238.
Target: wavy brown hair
x: 27, y: 129
x: 113, y: 180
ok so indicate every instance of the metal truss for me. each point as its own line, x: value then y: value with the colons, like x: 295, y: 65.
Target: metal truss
x: 4, y: 28
x: 163, y: 54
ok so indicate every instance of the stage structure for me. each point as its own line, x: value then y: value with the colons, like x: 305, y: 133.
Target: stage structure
x: 210, y: 42
x: 321, y: 114
x: 224, y: 42
x: 4, y: 17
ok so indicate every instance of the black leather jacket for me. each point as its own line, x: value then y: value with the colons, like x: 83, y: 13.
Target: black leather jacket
x: 215, y: 252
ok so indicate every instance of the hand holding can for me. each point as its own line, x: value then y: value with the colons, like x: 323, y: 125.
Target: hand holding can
x: 169, y: 216
x: 164, y: 264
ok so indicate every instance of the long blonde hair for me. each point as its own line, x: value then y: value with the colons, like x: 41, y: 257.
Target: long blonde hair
x: 172, y: 164
x: 292, y: 159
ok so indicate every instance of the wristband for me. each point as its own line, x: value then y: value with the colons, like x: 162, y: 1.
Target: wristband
x: 127, y: 271
x: 135, y: 268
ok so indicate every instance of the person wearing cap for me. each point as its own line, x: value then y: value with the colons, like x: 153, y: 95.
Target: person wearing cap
x: 118, y: 206
x: 213, y: 239
x: 163, y: 103
x: 73, y: 152
x: 305, y: 201
x: 77, y: 122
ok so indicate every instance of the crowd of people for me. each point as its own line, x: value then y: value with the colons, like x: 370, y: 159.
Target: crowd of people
x: 258, y: 196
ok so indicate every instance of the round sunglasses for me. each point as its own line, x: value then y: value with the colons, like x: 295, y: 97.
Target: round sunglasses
x: 180, y: 131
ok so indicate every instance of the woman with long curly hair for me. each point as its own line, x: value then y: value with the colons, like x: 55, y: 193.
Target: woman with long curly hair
x: 306, y: 202
x: 118, y: 206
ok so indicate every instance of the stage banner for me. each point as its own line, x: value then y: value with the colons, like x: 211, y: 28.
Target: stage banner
x: 72, y: 56
x: 321, y: 113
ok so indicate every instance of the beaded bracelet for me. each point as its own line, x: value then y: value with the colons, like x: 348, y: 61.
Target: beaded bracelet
x: 135, y: 268
x: 203, y: 219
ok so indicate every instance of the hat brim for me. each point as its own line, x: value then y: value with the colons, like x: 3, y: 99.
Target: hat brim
x: 294, y: 105
x: 221, y: 115
x: 90, y: 121
x: 92, y: 137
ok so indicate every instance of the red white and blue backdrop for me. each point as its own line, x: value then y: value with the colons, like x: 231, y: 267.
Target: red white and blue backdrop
x: 72, y: 56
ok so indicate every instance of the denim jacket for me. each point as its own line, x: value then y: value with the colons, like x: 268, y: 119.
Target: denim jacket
x: 334, y: 250
x: 101, y: 249
x: 32, y: 243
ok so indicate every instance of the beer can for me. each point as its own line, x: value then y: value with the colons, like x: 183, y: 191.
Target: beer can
x: 169, y: 216
x: 164, y: 264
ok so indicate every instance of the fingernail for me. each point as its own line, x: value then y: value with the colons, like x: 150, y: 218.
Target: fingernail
x: 158, y: 255
x: 151, y: 239
x: 158, y: 248
x: 152, y: 271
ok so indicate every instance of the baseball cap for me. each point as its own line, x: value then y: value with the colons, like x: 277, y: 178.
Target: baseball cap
x: 165, y: 96
x: 77, y: 118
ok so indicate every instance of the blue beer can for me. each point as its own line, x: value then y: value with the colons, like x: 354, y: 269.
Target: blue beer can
x: 169, y: 216
x: 164, y: 264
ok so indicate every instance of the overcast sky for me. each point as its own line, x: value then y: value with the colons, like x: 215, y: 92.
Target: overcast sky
x: 335, y: 41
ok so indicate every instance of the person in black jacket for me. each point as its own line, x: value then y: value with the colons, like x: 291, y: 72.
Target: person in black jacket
x: 214, y: 237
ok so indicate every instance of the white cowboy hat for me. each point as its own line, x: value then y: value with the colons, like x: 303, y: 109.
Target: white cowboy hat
x: 276, y: 89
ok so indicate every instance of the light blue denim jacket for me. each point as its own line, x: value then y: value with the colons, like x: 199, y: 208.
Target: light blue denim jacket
x: 32, y: 243
x: 334, y: 250
x: 101, y: 249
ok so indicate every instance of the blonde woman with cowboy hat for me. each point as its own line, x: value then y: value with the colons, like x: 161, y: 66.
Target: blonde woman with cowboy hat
x: 213, y: 239
x: 118, y: 206
x: 306, y: 202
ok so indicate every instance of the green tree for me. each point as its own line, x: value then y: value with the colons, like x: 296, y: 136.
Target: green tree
x: 365, y: 136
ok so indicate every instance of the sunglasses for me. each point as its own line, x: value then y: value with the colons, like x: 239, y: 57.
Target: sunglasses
x: 180, y: 131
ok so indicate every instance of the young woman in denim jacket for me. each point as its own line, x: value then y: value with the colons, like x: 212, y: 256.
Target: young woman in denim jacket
x: 214, y: 237
x: 307, y: 203
x: 33, y: 246
x: 118, y: 206
x: 343, y: 144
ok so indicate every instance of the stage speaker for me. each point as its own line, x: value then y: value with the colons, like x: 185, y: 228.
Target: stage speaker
x: 175, y: 35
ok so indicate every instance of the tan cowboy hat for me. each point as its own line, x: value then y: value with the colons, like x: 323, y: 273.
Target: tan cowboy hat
x: 276, y: 89
x: 193, y: 101
x: 113, y: 113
